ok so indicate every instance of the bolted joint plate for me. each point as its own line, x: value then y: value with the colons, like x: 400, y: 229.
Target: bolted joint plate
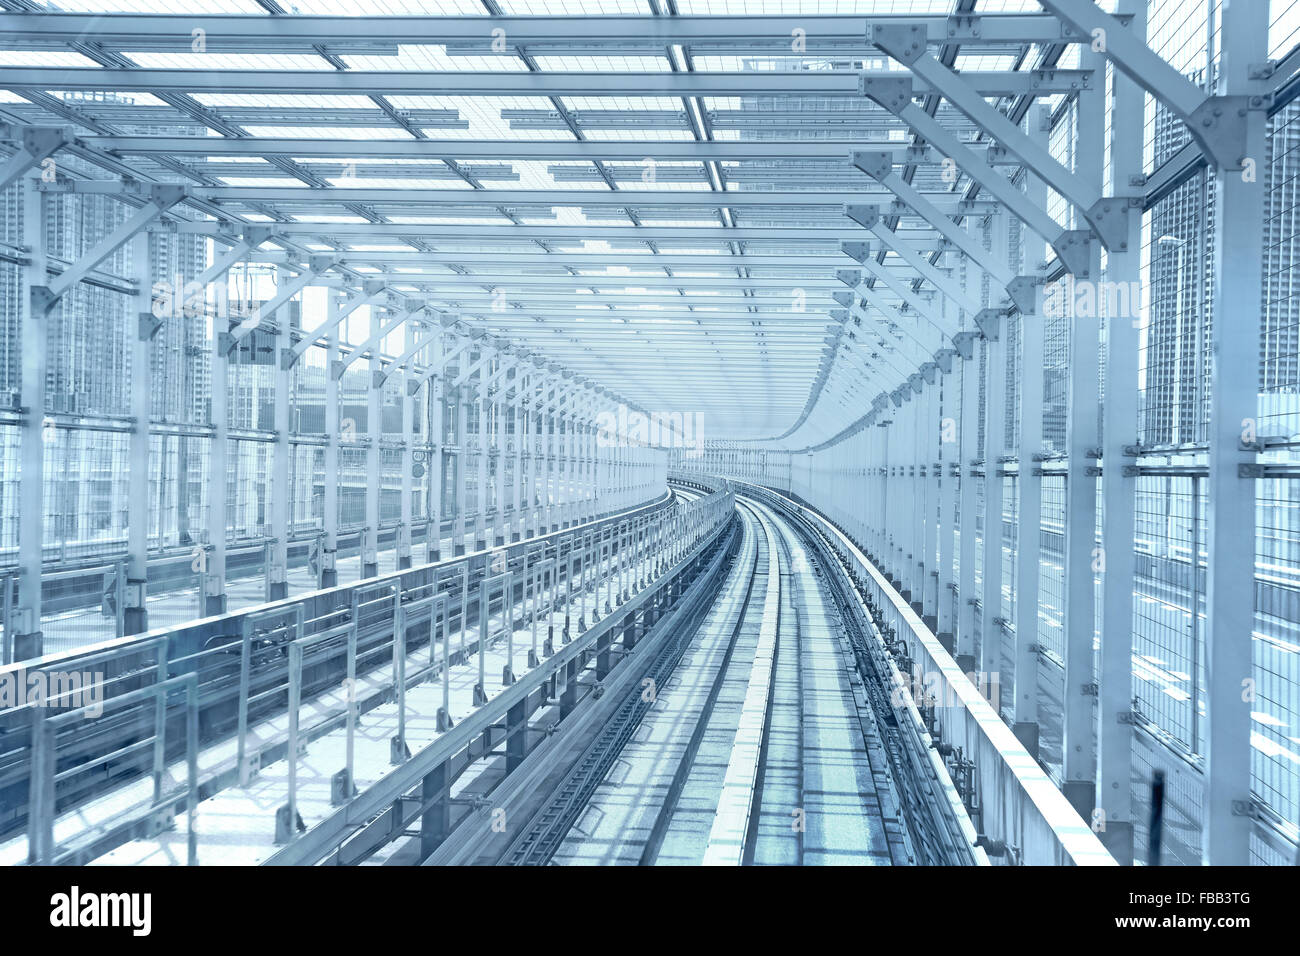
x: 256, y: 235
x: 856, y: 250
x: 928, y: 370
x: 989, y: 322
x: 864, y: 215
x: 897, y: 396
x: 1023, y: 292
x: 840, y: 315
x: 166, y: 195
x: 372, y: 286
x: 320, y: 262
x: 1072, y: 245
x: 43, y: 299
x: 876, y: 163
x: 843, y: 298
x: 915, y: 381
x: 964, y: 343
x: 1109, y: 217
x: 1219, y: 126
x: 892, y: 93
x: 905, y: 42
x: 849, y: 277
x: 943, y: 358
x: 41, y: 141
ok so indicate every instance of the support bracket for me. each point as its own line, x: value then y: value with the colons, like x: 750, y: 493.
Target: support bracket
x: 856, y: 250
x: 890, y: 93
x: 864, y: 215
x: 1072, y: 246
x: 989, y: 322
x: 1023, y: 294
x: 147, y: 326
x: 964, y: 344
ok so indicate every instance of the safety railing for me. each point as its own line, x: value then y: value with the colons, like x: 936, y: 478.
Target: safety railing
x: 288, y: 652
x: 156, y: 815
x: 381, y: 810
x: 1022, y: 817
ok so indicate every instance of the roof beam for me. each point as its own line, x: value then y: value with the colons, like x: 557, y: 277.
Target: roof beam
x: 828, y: 233
x: 663, y: 151
x: 569, y: 198
x: 880, y: 167
x: 507, y: 83
x: 1107, y: 216
x: 253, y: 32
x: 409, y: 258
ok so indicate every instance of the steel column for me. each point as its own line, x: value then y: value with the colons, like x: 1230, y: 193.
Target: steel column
x: 1234, y: 409
x: 135, y: 618
x: 35, y: 431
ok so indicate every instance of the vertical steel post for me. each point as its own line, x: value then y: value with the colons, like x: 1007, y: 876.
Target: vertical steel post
x: 374, y: 467
x: 279, y: 487
x: 1113, y: 819
x: 1082, y: 439
x: 135, y: 611
x: 407, y: 518
x: 1029, y: 481
x: 437, y: 466
x: 27, y: 638
x: 1234, y: 408
x: 994, y: 439
x: 329, y: 575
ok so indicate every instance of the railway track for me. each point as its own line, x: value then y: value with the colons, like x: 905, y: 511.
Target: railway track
x: 754, y: 725
x: 761, y: 748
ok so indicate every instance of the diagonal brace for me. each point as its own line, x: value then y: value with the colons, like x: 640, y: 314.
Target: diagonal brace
x: 372, y: 290
x: 161, y: 199
x: 35, y: 144
x: 1217, y: 123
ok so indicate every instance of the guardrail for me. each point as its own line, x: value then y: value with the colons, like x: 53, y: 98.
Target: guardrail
x: 248, y: 664
x: 1023, y: 818
x: 419, y: 788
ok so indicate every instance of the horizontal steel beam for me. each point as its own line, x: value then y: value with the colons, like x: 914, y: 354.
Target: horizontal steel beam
x: 576, y: 198
x: 456, y: 232
x: 254, y: 32
x: 508, y: 283
x: 410, y: 258
x: 739, y: 83
x: 648, y: 318
x: 661, y: 151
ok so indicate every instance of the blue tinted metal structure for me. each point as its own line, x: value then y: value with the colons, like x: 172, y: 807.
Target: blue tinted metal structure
x: 305, y: 310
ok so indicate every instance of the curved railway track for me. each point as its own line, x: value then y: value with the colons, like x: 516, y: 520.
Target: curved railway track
x: 762, y: 747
